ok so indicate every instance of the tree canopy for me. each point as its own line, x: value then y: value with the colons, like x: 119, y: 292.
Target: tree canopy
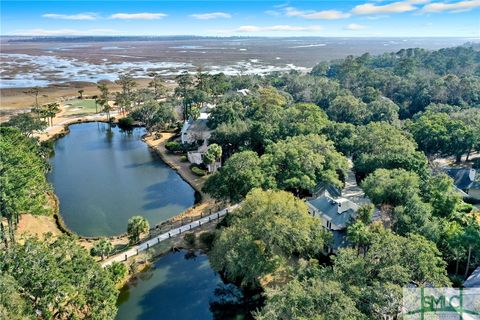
x: 57, y: 278
x: 22, y: 179
x: 258, y: 238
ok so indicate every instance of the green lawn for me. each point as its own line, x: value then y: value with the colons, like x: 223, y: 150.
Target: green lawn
x: 79, y: 107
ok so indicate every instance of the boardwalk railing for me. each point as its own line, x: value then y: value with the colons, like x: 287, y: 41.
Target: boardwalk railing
x: 133, y: 251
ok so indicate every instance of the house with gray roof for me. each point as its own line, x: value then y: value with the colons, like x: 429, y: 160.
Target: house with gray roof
x: 335, y: 213
x: 474, y: 280
x: 197, y: 129
x: 466, y: 181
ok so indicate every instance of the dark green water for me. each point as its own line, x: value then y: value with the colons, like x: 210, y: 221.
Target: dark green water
x: 103, y: 177
x: 175, y: 288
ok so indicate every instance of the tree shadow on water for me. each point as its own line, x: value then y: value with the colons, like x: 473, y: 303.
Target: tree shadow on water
x: 184, y: 294
x: 169, y: 192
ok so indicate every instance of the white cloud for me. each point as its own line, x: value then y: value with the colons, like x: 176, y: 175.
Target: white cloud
x: 377, y: 17
x: 325, y: 14
x: 210, y: 15
x: 355, y: 26
x: 278, y: 28
x: 394, y: 7
x: 418, y: 1
x: 138, y: 16
x: 78, y: 16
x: 273, y: 13
x: 66, y: 32
x: 452, y: 7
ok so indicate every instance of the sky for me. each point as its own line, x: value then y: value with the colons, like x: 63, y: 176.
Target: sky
x: 367, y: 18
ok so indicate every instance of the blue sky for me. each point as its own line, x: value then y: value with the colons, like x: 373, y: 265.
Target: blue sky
x: 378, y: 18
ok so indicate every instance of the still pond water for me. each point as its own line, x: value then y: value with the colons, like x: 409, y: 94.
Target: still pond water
x: 178, y: 286
x: 104, y: 175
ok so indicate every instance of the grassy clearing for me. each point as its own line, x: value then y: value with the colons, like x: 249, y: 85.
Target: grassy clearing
x: 79, y: 107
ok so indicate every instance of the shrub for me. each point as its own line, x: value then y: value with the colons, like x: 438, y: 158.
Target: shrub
x: 184, y: 159
x: 117, y: 271
x: 207, y: 239
x: 189, y: 238
x: 125, y: 123
x: 198, y: 171
x: 173, y: 146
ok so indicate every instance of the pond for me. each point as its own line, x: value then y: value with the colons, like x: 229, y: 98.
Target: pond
x: 176, y: 287
x: 103, y: 176
x: 182, y: 286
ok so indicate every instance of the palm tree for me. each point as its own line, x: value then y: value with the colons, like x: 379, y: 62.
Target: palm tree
x: 51, y: 111
x: 213, y: 154
x: 102, y: 248
x: 136, y: 226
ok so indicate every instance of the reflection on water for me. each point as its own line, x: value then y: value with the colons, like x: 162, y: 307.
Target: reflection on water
x: 174, y: 288
x: 182, y: 286
x: 103, y: 176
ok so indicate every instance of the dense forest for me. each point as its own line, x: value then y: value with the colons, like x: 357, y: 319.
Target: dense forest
x: 392, y: 116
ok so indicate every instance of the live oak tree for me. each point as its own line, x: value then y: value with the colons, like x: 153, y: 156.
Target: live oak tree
x: 315, y: 298
x: 263, y: 234
x: 440, y: 192
x: 440, y: 134
x: 342, y: 135
x: 393, y: 187
x: 415, y: 216
x: 240, y: 173
x: 299, y: 163
x: 303, y: 119
x: 347, y: 108
x: 366, y: 286
x: 12, y: 305
x: 381, y: 145
x: 231, y: 108
x: 22, y: 179
x: 382, y: 109
x: 154, y: 115
x: 232, y: 137
x: 26, y: 123
x: 56, y: 279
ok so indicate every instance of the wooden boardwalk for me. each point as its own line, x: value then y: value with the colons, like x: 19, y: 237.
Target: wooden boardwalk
x: 133, y: 251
